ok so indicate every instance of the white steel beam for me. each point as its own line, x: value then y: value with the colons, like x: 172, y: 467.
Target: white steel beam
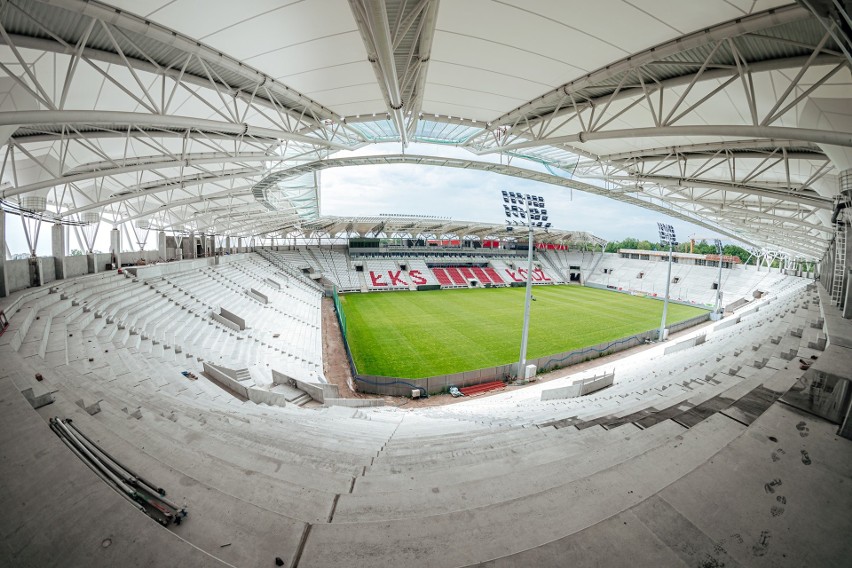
x: 113, y: 118
x: 734, y: 130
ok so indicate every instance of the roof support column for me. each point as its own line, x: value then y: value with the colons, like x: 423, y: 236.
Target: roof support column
x: 161, y: 244
x: 58, y: 249
x: 4, y: 283
x: 115, y: 246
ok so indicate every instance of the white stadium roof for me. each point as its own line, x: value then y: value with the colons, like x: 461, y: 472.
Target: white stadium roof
x: 734, y: 115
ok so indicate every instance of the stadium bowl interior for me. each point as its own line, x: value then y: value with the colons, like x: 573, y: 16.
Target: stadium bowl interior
x: 201, y: 367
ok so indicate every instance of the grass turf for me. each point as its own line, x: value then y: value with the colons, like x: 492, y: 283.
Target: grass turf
x: 421, y: 334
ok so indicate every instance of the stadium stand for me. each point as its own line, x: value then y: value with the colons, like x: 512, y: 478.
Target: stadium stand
x: 442, y: 277
x: 519, y: 273
x: 282, y: 335
x: 195, y: 144
x: 539, y: 275
x: 555, y: 272
x: 340, y: 483
x: 479, y: 273
x: 507, y: 274
x: 495, y: 278
x: 419, y: 273
x: 691, y: 283
x: 335, y: 266
x: 299, y: 259
x: 456, y: 276
x: 385, y: 274
x: 570, y: 262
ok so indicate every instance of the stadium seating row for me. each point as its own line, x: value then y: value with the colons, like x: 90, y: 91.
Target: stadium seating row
x: 380, y: 273
x: 689, y: 282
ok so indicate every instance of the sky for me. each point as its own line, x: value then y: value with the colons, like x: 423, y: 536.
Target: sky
x: 462, y: 195
x: 476, y: 196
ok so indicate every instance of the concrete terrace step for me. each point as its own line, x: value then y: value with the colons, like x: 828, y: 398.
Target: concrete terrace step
x: 514, y: 482
x: 216, y: 512
x: 286, y: 466
x: 481, y: 465
x: 48, y: 463
x: 173, y: 460
x: 360, y: 446
x: 513, y: 526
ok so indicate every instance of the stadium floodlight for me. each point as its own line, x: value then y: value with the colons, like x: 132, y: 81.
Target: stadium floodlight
x: 530, y: 209
x: 667, y: 237
x: 718, y: 309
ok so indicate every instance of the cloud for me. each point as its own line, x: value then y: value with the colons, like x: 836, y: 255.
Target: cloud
x: 409, y: 189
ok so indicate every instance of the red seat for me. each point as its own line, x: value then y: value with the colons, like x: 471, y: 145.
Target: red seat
x: 442, y: 277
x: 481, y: 388
x: 495, y: 278
x: 483, y: 277
x: 456, y: 276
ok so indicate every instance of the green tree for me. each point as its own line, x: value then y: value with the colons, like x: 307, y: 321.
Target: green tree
x: 734, y: 250
x: 701, y: 247
x: 704, y: 247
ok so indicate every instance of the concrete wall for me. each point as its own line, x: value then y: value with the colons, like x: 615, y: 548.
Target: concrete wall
x: 684, y: 344
x: 571, y: 391
x: 224, y: 380
x: 225, y: 321
x: 257, y: 396
x: 47, y: 266
x: 257, y: 295
x: 164, y: 268
x: 157, y: 270
x: 18, y: 274
x: 76, y: 266
x: 132, y: 258
x: 102, y: 259
x: 232, y: 317
x: 320, y: 392
x: 354, y: 402
x: 579, y: 387
x: 402, y: 387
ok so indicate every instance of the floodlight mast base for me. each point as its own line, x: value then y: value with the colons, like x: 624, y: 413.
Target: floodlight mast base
x: 718, y: 308
x: 662, y: 336
x: 522, y: 361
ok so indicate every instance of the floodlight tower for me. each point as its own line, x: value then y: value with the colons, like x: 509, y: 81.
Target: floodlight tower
x: 718, y: 309
x: 667, y: 237
x: 526, y: 210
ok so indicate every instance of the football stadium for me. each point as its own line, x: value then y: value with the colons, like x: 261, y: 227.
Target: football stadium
x: 425, y: 283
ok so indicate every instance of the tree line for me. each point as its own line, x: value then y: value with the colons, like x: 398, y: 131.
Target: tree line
x: 700, y: 247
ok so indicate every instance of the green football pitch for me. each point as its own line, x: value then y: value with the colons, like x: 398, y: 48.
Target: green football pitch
x: 422, y: 334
